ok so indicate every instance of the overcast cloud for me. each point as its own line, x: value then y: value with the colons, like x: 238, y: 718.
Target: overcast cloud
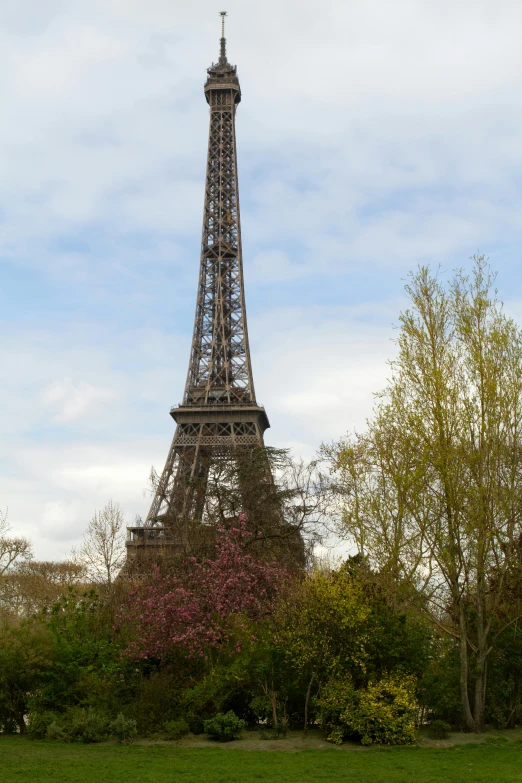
x: 372, y: 136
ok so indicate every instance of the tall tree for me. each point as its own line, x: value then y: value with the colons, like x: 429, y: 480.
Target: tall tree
x: 432, y: 492
x: 103, y: 548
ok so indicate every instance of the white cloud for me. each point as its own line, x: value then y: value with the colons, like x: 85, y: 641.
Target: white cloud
x: 73, y: 401
x: 317, y: 372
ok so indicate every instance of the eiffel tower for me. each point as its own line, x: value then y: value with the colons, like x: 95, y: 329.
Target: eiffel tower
x: 219, y: 412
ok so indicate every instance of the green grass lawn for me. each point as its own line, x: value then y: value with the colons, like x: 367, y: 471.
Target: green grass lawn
x: 43, y: 761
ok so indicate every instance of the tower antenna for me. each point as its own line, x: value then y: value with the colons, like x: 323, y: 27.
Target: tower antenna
x: 223, y: 50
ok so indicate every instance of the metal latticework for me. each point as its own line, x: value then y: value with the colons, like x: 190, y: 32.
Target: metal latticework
x: 219, y: 412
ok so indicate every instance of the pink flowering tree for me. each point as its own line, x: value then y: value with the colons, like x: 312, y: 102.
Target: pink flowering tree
x: 208, y: 605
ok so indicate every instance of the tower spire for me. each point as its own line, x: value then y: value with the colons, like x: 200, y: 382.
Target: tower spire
x: 223, y: 43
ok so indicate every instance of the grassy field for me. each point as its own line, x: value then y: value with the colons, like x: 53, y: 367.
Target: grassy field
x: 42, y: 762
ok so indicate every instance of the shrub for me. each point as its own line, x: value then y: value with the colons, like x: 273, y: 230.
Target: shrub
x: 39, y: 723
x: 79, y: 725
x: 387, y: 711
x: 338, y: 700
x: 439, y: 729
x: 225, y: 727
x: 87, y: 726
x: 176, y: 729
x: 55, y: 732
x: 124, y: 729
x: 384, y: 712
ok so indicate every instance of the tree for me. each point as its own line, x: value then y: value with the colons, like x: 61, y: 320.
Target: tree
x: 432, y: 492
x: 103, y: 548
x: 12, y: 550
x: 26, y: 651
x: 33, y: 585
x: 339, y: 625
x: 275, y: 493
x: 206, y: 605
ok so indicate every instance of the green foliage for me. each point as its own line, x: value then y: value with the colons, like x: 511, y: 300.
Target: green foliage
x: 154, y: 701
x: 39, y: 723
x: 338, y: 699
x: 387, y: 712
x: 439, y: 729
x: 384, y: 712
x: 431, y: 492
x: 80, y: 725
x: 175, y: 729
x: 26, y: 650
x: 87, y: 669
x: 225, y: 726
x: 124, y: 729
x: 322, y: 625
x: 439, y: 690
x: 504, y: 692
x: 55, y: 731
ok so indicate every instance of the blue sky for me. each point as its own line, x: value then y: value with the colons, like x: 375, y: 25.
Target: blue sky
x: 372, y: 136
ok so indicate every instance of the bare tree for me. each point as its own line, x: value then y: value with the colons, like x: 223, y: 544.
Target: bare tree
x: 12, y: 550
x: 103, y: 548
x: 33, y: 585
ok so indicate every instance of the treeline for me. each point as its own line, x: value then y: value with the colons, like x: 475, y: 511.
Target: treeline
x: 421, y: 625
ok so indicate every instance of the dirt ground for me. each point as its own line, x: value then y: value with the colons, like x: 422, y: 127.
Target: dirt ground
x: 295, y: 741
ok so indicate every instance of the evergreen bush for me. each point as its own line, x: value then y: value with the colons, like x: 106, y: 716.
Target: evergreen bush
x: 224, y: 726
x: 124, y: 729
x: 39, y: 723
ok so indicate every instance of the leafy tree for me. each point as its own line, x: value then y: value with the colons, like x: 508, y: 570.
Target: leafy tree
x: 87, y: 669
x: 26, y: 651
x: 432, y: 492
x: 342, y: 624
x: 206, y: 605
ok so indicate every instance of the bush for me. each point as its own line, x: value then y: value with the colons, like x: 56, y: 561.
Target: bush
x: 338, y: 699
x: 88, y: 726
x: 225, y: 727
x: 176, y: 729
x: 387, y: 712
x: 384, y: 712
x: 439, y: 729
x: 124, y: 729
x: 55, y: 732
x: 39, y: 723
x: 79, y: 725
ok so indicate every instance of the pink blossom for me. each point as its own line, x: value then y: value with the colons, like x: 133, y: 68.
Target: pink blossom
x: 208, y: 605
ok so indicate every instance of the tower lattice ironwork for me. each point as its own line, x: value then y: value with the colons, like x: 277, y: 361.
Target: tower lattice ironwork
x: 219, y: 412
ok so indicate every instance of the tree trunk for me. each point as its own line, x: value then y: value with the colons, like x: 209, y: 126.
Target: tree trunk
x: 481, y: 663
x: 307, y: 702
x: 464, y: 671
x: 480, y: 691
x: 273, y: 698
